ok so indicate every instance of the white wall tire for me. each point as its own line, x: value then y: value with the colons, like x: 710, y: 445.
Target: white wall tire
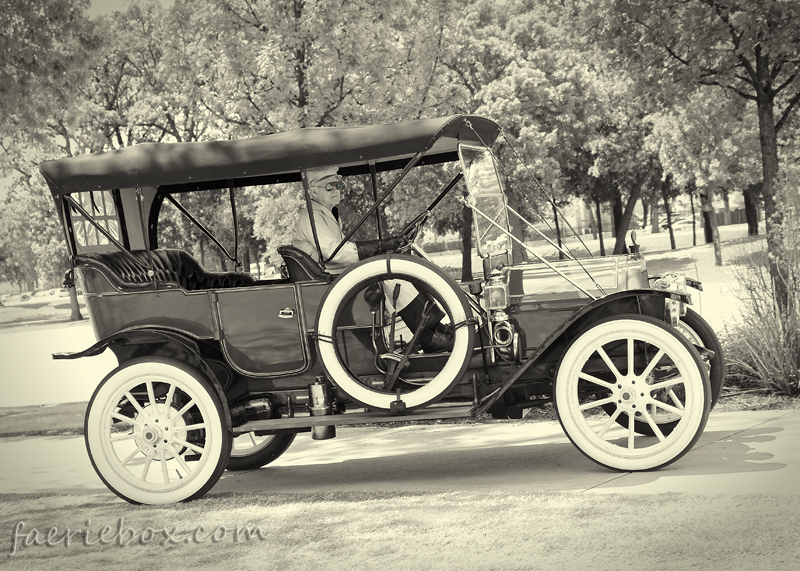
x: 662, y: 358
x: 168, y: 443
x: 402, y: 267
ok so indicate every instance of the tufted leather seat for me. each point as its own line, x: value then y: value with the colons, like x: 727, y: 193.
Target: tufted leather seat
x: 302, y: 267
x: 170, y: 266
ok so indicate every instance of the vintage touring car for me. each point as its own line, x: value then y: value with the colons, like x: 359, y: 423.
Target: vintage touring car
x: 219, y: 369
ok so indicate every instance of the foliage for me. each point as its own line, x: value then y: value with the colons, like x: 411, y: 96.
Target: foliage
x: 707, y: 141
x: 211, y: 69
x: 767, y: 345
x: 748, y: 48
x: 43, y: 49
x: 276, y: 211
x: 707, y: 138
x: 32, y: 242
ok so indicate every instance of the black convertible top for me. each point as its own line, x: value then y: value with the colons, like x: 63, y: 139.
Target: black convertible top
x: 215, y: 164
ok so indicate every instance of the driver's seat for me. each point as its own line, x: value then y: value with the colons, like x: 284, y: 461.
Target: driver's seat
x: 301, y: 267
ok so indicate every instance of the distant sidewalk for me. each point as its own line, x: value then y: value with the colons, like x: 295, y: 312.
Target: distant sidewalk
x: 32, y: 377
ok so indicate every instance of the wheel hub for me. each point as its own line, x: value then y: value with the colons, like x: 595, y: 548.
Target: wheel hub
x: 156, y: 434
x: 630, y: 394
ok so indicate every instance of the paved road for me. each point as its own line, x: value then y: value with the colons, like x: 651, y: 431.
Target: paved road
x: 30, y: 376
x: 739, y: 453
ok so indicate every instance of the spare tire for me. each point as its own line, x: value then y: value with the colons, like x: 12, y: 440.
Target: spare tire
x: 426, y: 277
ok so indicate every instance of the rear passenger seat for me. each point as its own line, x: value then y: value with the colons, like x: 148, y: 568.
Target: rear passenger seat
x: 169, y: 266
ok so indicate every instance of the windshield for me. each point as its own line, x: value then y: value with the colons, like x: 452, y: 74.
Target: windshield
x: 487, y: 198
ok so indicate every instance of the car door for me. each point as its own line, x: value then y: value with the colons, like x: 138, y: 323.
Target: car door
x: 261, y: 329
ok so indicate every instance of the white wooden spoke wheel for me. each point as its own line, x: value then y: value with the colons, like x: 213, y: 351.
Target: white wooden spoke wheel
x: 630, y: 362
x: 251, y: 451
x: 155, y: 432
x: 698, y: 332
x: 424, y: 275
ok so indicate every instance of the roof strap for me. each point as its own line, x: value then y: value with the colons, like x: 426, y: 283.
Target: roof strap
x: 237, y: 265
x: 140, y: 199
x: 310, y: 207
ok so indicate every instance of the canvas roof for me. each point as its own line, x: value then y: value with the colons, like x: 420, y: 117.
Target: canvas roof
x: 210, y: 163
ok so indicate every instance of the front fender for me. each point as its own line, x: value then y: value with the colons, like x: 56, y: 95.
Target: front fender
x: 650, y: 302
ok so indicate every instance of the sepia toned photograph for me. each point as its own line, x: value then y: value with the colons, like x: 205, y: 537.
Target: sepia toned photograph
x: 408, y: 285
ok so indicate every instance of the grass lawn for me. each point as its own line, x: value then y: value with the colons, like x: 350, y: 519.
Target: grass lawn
x: 408, y: 531
x: 43, y: 311
x: 44, y: 420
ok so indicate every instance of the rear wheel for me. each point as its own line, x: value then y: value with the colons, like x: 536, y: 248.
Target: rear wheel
x: 624, y: 362
x: 156, y: 433
x: 251, y: 451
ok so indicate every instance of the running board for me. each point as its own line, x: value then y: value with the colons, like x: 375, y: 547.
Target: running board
x: 378, y: 417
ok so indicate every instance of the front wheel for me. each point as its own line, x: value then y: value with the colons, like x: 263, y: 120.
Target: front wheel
x: 156, y: 432
x: 624, y: 362
x: 699, y: 333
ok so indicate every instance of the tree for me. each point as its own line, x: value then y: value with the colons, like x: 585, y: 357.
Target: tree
x: 748, y: 48
x: 43, y: 47
x: 668, y: 191
x: 621, y: 163
x: 703, y: 143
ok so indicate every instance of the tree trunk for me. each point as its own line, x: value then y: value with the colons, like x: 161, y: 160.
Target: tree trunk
x: 617, y: 209
x: 768, y: 138
x: 75, y: 313
x: 600, y: 227
x: 466, y: 243
x: 558, y: 232
x: 708, y: 236
x: 672, y: 245
x: 694, y: 219
x: 707, y: 198
x: 645, y: 209
x: 668, y: 210
x: 726, y: 214
x: 592, y: 222
x: 518, y: 253
x: 245, y: 232
x: 625, y: 219
x: 245, y: 259
x: 751, y: 209
x: 655, y: 213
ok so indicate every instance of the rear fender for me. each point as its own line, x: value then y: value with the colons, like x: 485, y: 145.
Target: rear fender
x: 127, y: 345
x: 134, y: 336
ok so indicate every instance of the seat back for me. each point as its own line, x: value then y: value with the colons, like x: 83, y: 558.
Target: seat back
x: 170, y: 267
x: 301, y: 267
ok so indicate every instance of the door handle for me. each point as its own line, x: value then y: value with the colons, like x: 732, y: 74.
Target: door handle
x: 286, y: 313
